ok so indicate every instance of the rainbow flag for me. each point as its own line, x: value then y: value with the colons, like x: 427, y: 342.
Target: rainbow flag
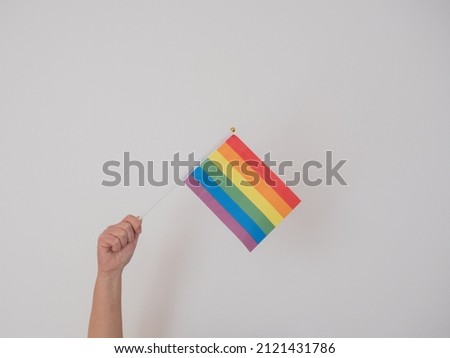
x: 249, y: 198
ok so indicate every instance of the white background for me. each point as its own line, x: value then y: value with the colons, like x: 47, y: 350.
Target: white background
x: 83, y: 81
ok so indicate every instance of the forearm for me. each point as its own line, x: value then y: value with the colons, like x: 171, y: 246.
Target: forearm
x: 106, y: 314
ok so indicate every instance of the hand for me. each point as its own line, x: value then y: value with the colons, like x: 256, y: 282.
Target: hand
x: 116, y: 245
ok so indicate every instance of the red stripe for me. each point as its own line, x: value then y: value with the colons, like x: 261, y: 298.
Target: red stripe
x: 264, y: 171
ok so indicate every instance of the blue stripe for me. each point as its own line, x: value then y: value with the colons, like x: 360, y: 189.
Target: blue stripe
x: 228, y: 204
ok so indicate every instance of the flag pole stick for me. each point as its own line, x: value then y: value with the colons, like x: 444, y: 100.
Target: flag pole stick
x: 173, y: 186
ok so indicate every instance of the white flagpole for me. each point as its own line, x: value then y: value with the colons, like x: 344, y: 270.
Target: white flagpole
x: 232, y: 129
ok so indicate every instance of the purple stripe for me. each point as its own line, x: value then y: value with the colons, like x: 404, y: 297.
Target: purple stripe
x: 221, y: 213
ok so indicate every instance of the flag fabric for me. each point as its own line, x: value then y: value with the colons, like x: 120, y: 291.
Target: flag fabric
x: 242, y: 191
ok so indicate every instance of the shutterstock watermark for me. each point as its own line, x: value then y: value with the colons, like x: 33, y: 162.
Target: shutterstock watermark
x: 222, y: 172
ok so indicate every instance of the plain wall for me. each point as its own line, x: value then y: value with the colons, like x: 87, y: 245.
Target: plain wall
x: 81, y: 82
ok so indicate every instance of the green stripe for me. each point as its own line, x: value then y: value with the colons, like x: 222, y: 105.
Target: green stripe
x: 237, y: 196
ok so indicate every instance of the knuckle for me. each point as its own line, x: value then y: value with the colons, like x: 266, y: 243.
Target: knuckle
x: 129, y: 227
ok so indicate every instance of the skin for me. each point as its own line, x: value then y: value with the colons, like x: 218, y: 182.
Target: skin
x: 115, y: 249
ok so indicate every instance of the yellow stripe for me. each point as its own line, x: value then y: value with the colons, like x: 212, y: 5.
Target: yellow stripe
x: 261, y: 185
x: 249, y: 191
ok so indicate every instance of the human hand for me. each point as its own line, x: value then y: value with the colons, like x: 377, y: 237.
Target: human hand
x: 117, y: 243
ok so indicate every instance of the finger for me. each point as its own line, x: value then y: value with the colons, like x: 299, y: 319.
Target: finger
x: 135, y: 222
x: 128, y: 228
x: 118, y: 232
x: 109, y: 242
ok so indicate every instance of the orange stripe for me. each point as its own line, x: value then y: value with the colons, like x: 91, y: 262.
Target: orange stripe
x: 271, y: 195
x: 264, y: 171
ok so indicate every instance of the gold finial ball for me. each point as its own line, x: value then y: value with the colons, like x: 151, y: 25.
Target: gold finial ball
x: 233, y: 129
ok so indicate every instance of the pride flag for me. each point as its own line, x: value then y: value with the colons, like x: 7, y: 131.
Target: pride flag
x: 249, y: 198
